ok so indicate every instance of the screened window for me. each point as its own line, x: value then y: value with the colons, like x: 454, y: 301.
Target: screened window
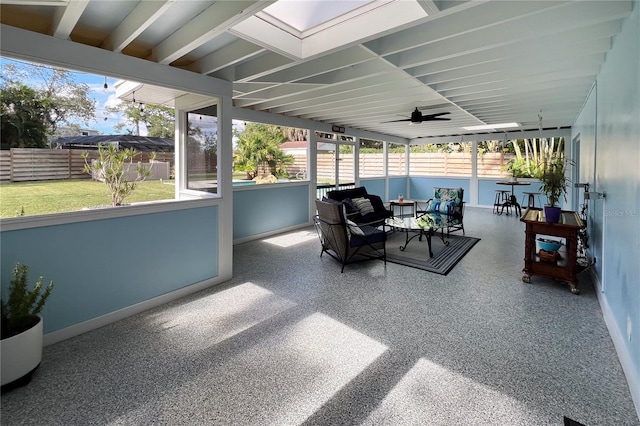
x: 202, y: 150
x: 397, y: 159
x: 518, y: 158
x: 371, y: 158
x: 267, y: 153
x: 70, y: 114
x: 446, y: 159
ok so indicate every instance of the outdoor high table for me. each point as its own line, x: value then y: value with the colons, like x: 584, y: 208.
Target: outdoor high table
x: 513, y: 200
x: 402, y: 204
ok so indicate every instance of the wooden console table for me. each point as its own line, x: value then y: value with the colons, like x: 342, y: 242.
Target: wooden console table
x: 562, y: 269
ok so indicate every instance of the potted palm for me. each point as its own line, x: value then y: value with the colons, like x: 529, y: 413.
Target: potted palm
x: 554, y: 185
x: 22, y: 331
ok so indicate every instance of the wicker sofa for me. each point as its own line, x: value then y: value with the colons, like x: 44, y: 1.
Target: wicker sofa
x: 361, y: 207
x: 346, y: 241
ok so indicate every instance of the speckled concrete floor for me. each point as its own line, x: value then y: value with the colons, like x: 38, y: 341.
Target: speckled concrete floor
x: 289, y: 340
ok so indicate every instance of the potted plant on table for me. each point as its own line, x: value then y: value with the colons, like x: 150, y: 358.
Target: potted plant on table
x: 22, y: 331
x: 554, y: 185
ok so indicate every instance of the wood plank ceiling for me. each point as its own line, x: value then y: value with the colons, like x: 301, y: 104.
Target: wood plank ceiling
x: 482, y: 62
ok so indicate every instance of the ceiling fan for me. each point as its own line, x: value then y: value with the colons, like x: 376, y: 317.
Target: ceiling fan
x: 418, y: 117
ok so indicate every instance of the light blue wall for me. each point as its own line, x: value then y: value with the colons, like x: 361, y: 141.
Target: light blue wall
x: 259, y: 209
x: 398, y: 186
x: 421, y: 188
x: 609, y: 130
x: 374, y: 186
x: 105, y: 265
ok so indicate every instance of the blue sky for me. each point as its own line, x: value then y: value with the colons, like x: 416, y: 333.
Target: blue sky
x: 103, y: 122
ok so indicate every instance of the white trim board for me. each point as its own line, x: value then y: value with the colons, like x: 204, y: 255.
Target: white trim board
x: 101, y: 321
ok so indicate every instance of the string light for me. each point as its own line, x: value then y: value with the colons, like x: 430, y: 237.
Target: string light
x: 106, y: 86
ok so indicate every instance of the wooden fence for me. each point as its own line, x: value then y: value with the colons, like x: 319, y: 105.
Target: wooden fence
x: 28, y: 164
x: 32, y: 164
x: 490, y: 165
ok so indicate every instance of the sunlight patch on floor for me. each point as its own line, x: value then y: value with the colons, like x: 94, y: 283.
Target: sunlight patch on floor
x: 288, y: 240
x: 285, y: 377
x: 214, y: 318
x: 432, y: 394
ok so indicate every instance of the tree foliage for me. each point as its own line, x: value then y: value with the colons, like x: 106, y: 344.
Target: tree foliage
x: 258, y: 150
x: 23, y: 117
x: 65, y: 100
x: 158, y: 119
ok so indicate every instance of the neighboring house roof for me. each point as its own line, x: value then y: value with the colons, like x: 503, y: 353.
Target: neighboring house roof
x: 141, y: 143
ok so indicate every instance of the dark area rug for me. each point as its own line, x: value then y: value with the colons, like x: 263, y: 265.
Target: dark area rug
x: 416, y: 255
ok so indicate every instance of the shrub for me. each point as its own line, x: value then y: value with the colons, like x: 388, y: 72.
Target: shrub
x: 23, y: 305
x: 110, y: 166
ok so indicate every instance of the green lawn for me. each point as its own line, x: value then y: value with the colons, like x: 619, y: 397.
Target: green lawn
x: 57, y: 196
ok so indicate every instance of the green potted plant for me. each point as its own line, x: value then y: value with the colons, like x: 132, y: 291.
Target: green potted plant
x: 22, y: 331
x: 554, y: 185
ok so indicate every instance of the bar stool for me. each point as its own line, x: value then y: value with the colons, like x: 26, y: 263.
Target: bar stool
x: 531, y: 202
x: 502, y: 197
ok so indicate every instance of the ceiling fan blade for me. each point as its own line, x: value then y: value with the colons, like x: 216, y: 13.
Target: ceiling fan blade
x: 433, y: 116
x: 397, y: 121
x: 436, y: 119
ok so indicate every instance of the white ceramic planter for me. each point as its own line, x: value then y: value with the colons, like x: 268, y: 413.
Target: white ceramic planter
x: 21, y: 354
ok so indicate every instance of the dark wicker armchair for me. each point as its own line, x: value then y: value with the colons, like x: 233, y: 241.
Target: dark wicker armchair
x: 346, y: 241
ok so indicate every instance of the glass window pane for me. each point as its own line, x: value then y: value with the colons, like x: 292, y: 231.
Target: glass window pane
x: 106, y: 117
x: 371, y: 158
x: 202, y: 150
x: 266, y: 153
x: 397, y: 159
x: 492, y: 156
x: 446, y: 159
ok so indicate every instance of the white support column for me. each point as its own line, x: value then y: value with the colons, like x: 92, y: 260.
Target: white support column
x: 225, y: 186
x: 473, y: 182
x: 356, y: 162
x: 406, y: 170
x: 180, y: 150
x: 385, y: 168
x: 312, y: 170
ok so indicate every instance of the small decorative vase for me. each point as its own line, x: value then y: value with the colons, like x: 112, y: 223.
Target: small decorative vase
x: 552, y: 214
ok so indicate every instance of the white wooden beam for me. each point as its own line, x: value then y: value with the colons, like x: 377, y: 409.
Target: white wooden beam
x: 212, y: 22
x: 429, y: 6
x: 478, y: 15
x: 66, y: 18
x: 303, y: 96
x: 231, y: 54
x: 494, y: 37
x: 140, y: 18
x: 338, y: 60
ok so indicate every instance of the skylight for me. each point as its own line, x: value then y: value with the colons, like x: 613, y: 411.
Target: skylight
x: 304, y: 15
x: 301, y: 29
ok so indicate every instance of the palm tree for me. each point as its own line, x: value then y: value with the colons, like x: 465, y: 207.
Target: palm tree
x: 258, y: 150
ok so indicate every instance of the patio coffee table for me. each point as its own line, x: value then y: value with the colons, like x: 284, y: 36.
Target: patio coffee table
x: 425, y: 225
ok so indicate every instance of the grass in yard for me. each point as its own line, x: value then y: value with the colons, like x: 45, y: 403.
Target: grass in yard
x: 44, y: 197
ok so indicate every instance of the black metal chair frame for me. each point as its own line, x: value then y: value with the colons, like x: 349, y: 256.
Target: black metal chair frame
x: 343, y: 244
